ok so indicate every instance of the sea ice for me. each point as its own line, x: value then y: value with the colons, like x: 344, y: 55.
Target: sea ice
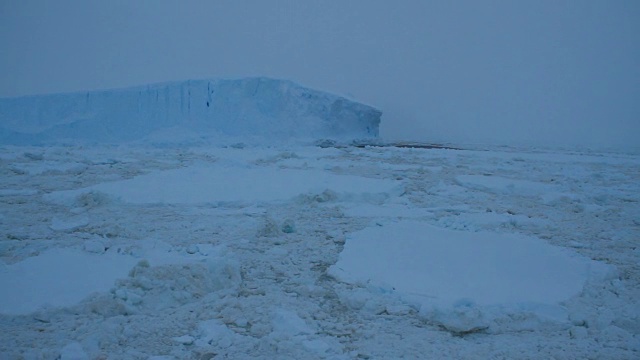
x: 63, y: 277
x: 58, y: 277
x: 209, y: 283
x: 450, y: 271
x: 199, y: 184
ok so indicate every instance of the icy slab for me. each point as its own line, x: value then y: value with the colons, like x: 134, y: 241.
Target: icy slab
x: 266, y: 108
x: 200, y: 184
x: 459, y: 273
x: 64, y: 277
x: 59, y: 277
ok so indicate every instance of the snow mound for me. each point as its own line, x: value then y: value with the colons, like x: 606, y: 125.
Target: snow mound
x: 169, y: 286
x: 467, y: 281
x: 179, y: 111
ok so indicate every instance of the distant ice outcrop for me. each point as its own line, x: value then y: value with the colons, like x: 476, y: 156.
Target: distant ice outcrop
x: 252, y: 107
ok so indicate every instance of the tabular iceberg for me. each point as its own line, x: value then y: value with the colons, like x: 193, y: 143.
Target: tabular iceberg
x: 252, y: 107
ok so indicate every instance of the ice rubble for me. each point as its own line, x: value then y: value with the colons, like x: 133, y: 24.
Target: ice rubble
x: 186, y: 111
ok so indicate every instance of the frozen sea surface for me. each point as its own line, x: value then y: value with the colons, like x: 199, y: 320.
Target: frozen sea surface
x: 140, y: 252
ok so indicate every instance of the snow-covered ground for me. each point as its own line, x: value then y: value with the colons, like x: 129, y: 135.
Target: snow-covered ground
x: 141, y: 252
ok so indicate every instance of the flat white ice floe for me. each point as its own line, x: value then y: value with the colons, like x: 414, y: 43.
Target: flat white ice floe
x: 465, y: 280
x: 58, y: 277
x: 199, y: 184
x: 63, y: 277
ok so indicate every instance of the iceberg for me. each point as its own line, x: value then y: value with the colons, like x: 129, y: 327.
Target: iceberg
x: 246, y: 108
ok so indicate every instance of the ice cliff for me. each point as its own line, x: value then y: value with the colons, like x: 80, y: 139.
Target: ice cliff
x: 253, y: 107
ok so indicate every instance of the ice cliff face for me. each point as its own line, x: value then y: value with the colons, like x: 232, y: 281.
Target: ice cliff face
x: 252, y: 107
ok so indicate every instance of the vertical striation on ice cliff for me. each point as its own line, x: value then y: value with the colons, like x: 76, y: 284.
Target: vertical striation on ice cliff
x: 252, y: 107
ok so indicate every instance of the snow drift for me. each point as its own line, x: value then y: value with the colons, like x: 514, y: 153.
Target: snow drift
x: 252, y: 107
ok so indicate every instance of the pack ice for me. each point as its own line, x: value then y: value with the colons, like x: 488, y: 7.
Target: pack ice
x: 252, y: 107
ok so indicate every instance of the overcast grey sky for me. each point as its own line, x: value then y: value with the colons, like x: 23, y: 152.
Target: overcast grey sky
x: 544, y: 71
